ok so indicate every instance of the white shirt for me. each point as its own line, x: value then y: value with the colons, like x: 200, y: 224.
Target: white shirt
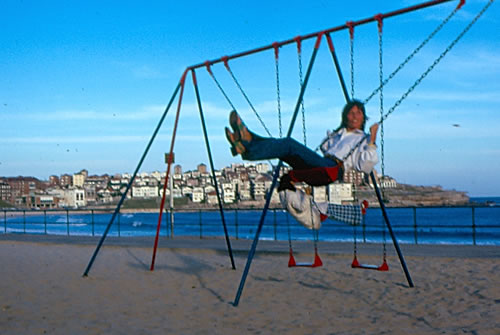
x: 340, y: 143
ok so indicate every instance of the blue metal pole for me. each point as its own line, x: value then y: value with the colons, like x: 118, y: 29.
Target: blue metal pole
x: 212, y: 167
x: 275, y: 176
x: 99, y: 245
x: 389, y: 227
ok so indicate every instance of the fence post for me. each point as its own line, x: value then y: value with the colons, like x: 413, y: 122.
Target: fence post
x: 415, y: 224
x: 172, y: 222
x: 167, y: 223
x: 275, y: 225
x: 92, y: 213
x: 473, y: 225
x: 119, y: 226
x: 364, y: 231
x: 236, y: 222
x: 45, y: 221
x: 24, y: 221
x: 5, y: 220
x: 201, y: 224
x: 67, y: 222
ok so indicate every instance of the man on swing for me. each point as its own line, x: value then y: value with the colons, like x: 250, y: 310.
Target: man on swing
x: 344, y: 149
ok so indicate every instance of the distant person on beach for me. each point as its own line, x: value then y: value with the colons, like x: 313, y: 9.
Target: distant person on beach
x: 344, y: 149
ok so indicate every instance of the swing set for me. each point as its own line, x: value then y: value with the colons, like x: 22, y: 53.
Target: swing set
x: 321, y: 176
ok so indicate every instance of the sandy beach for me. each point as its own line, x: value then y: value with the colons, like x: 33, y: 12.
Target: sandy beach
x: 191, y: 291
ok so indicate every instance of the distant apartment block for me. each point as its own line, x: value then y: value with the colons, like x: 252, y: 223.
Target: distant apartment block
x: 340, y: 192
x: 145, y: 191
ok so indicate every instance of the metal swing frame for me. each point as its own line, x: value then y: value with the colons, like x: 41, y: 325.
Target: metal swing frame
x: 318, y: 35
x: 372, y: 176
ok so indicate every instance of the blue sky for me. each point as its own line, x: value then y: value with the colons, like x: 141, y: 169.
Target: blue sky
x: 84, y: 84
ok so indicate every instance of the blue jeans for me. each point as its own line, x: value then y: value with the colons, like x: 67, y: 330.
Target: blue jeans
x: 295, y: 154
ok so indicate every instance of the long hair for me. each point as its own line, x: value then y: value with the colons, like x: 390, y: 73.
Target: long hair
x: 346, y: 110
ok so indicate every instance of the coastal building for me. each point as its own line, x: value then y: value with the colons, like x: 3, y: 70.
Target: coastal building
x: 261, y: 184
x: 105, y: 195
x: 78, y: 179
x: 339, y: 193
x: 239, y: 182
x: 320, y: 194
x: 192, y: 181
x: 115, y: 183
x: 202, y: 168
x: 21, y: 189
x: 97, y: 181
x: 90, y: 193
x: 74, y: 197
x: 45, y: 201
x: 177, y: 169
x: 5, y: 191
x: 145, y: 190
x: 212, y: 198
x: 177, y: 192
x: 387, y: 182
x: 187, y: 191
x: 198, y: 195
x: 228, y: 193
x: 65, y: 180
x: 245, y: 190
x: 54, y: 180
x: 354, y: 177
x: 158, y: 176
x: 262, y: 168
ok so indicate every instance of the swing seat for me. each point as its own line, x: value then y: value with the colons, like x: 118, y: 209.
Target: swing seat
x: 317, y: 261
x: 356, y: 265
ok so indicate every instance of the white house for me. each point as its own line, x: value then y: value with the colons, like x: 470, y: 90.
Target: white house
x: 74, y: 197
x: 245, y: 190
x: 228, y: 193
x: 339, y: 192
x: 320, y: 193
x: 187, y: 191
x: 260, y: 186
x: 212, y: 198
x: 198, y: 194
x: 144, y: 191
x: 387, y: 182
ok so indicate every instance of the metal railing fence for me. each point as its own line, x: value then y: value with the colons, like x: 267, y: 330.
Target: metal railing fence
x: 460, y: 225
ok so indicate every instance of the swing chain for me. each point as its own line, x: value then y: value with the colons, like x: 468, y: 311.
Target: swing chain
x: 351, y: 42
x: 301, y: 80
x: 278, y: 94
x: 452, y: 44
x: 246, y: 98
x: 382, y: 144
x: 219, y: 86
x: 381, y: 77
x: 403, y: 64
x: 384, y: 243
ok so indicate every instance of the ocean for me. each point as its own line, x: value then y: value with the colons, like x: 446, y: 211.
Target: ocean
x: 423, y: 225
